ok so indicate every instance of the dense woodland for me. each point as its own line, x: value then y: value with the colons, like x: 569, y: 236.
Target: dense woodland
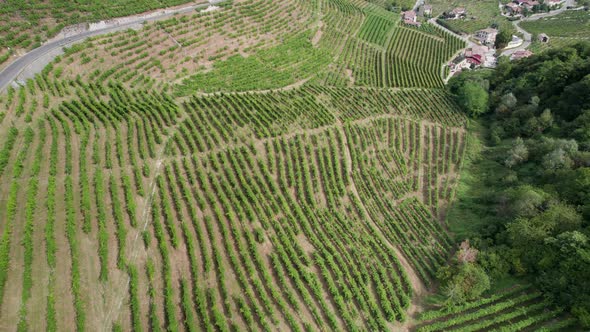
x: 525, y: 202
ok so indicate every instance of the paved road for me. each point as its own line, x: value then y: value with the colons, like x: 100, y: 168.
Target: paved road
x: 418, y: 4
x: 527, y: 35
x: 12, y: 71
x: 534, y: 17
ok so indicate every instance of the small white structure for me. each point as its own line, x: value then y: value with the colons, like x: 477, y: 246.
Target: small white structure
x: 543, y: 38
x: 209, y: 9
x: 515, y: 42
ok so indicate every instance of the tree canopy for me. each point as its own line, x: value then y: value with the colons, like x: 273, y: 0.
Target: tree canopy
x: 531, y: 187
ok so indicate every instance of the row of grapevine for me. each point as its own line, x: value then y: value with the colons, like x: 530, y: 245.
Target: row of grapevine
x: 376, y: 28
x: 388, y: 161
x: 515, y: 309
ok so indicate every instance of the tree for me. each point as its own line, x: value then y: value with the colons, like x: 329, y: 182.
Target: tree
x: 519, y: 153
x: 565, y: 272
x: 526, y: 201
x: 556, y: 159
x: 473, y: 98
x: 546, y: 119
x: 502, y: 39
x: 463, y: 282
x: 463, y: 279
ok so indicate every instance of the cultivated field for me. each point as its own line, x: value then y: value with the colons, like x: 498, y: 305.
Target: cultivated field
x: 513, y: 309
x: 268, y: 166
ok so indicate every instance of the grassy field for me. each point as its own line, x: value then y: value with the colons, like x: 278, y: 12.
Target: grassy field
x: 574, y: 25
x: 564, y: 29
x: 241, y: 170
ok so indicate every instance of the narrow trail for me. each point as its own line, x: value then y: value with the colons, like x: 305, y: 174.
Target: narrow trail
x: 135, y: 248
x: 292, y: 86
x: 417, y: 285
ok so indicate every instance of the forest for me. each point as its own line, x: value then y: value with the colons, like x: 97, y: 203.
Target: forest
x: 524, y: 201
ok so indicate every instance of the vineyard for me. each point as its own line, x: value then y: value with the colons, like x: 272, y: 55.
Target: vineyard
x: 265, y: 166
x: 513, y: 309
x: 243, y: 210
x: 259, y: 45
x: 26, y: 25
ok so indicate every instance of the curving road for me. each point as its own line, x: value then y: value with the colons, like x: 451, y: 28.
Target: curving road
x: 12, y: 71
x: 527, y: 35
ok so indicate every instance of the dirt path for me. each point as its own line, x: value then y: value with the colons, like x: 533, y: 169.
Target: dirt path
x: 417, y: 285
x: 318, y: 35
x: 292, y: 86
x: 135, y: 247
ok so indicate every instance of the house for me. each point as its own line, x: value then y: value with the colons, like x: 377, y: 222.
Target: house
x: 487, y: 36
x: 409, y: 17
x: 552, y: 3
x: 475, y: 60
x: 427, y: 10
x: 529, y: 4
x: 476, y: 50
x: 543, y: 38
x: 456, y: 13
x: 520, y: 55
x: 513, y: 9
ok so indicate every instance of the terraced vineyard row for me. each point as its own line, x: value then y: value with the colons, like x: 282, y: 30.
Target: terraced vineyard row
x: 239, y: 209
x: 355, y: 36
x: 514, y: 309
x: 375, y: 28
x: 400, y: 173
x: 174, y: 48
x: 192, y: 175
x: 415, y: 58
x: 410, y: 57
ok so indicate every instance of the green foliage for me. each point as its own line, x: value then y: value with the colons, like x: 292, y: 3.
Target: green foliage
x: 502, y: 39
x: 7, y: 148
x: 471, y: 91
x: 294, y: 59
x: 462, y: 282
x: 533, y: 187
x: 570, y: 24
x: 473, y: 98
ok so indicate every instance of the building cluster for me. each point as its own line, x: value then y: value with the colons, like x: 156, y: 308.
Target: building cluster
x: 517, y: 7
x: 473, y: 57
